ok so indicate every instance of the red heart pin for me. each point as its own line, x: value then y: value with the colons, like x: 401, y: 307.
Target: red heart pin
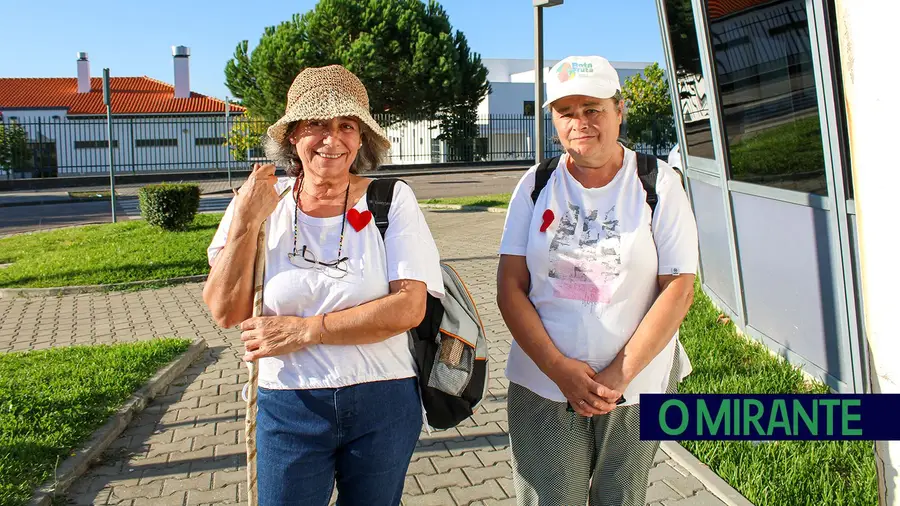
x: 548, y: 219
x: 358, y: 220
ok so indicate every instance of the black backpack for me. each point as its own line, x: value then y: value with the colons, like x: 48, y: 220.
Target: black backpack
x: 647, y: 172
x: 449, y: 346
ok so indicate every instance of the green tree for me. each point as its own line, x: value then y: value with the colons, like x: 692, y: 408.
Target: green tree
x: 404, y: 51
x: 246, y: 133
x: 458, y: 119
x: 15, y: 156
x: 649, y: 109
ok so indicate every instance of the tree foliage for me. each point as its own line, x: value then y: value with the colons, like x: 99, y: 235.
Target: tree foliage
x: 246, y: 133
x: 15, y: 156
x: 649, y: 105
x: 404, y: 51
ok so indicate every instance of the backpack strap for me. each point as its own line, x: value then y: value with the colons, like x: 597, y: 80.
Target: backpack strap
x: 542, y: 176
x: 647, y: 172
x: 379, y: 196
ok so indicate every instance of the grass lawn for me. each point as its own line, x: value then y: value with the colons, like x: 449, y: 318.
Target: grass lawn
x: 103, y: 254
x: 52, y: 400
x: 128, y: 251
x: 495, y: 200
x: 778, y: 473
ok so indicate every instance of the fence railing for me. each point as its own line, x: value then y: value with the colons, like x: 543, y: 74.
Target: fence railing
x: 60, y: 147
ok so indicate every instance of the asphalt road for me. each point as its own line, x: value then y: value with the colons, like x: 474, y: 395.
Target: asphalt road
x: 28, y: 218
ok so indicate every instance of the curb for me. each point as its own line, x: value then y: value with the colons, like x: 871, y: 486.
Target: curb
x: 713, y: 482
x: 79, y: 462
x: 70, y: 200
x: 8, y: 293
x: 457, y: 207
x: 442, y: 169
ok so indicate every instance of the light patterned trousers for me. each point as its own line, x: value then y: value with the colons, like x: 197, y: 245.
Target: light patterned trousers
x: 561, y: 458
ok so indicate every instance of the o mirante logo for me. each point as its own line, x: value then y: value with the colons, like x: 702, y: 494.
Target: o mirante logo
x: 768, y: 417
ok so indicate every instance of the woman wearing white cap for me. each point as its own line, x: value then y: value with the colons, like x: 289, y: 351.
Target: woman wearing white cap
x: 338, y: 401
x: 595, y: 277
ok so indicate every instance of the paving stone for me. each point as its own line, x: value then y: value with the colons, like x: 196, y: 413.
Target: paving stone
x: 686, y: 485
x: 659, y: 490
x: 454, y: 478
x: 489, y: 489
x: 150, y: 490
x: 702, y: 498
x: 202, y: 482
x: 228, y: 493
x: 438, y: 498
x: 176, y: 499
x: 466, y: 460
x: 479, y: 475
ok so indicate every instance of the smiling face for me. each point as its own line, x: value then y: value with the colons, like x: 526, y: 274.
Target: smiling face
x: 587, y: 127
x: 327, y: 147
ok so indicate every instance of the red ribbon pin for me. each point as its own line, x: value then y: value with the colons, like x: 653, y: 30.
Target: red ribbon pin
x: 548, y: 219
x: 358, y: 220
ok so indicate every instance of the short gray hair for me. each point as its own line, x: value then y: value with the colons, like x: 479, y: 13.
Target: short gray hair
x: 369, y: 157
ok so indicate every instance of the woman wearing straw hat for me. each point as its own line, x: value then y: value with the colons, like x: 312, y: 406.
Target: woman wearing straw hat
x: 337, y: 401
x: 594, y: 280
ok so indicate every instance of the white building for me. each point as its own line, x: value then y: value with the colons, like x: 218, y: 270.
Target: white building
x: 505, y: 117
x: 156, y: 126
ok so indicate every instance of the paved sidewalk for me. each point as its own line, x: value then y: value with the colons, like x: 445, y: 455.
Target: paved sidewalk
x: 187, y: 447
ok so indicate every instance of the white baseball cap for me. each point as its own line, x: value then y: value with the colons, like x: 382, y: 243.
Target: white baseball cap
x: 591, y: 76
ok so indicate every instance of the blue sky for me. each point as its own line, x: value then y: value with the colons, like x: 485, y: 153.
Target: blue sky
x: 135, y: 38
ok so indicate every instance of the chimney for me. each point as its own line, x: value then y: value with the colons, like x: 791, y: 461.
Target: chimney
x: 182, y: 71
x: 84, y: 73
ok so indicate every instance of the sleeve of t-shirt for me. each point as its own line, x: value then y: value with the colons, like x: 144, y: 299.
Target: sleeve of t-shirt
x: 411, y: 251
x: 218, y: 240
x: 674, y: 227
x: 518, y: 217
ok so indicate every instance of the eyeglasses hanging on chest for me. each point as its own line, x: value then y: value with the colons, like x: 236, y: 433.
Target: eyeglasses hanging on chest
x: 306, y: 259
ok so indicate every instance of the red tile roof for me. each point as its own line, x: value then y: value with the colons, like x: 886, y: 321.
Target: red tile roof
x: 130, y: 95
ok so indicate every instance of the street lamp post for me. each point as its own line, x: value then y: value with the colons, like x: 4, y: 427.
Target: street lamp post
x: 539, y: 6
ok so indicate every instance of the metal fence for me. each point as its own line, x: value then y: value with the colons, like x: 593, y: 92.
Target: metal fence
x: 60, y: 147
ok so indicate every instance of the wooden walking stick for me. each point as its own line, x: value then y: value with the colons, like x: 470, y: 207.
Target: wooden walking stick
x: 259, y: 278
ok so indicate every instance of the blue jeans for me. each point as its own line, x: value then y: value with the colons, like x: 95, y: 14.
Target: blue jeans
x: 361, y: 436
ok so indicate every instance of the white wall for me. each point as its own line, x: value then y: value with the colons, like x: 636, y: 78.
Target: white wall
x: 509, y: 98
x: 127, y: 157
x: 411, y: 142
x: 500, y: 69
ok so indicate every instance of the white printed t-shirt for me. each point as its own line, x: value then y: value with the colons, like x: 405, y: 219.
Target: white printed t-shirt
x: 407, y: 252
x: 594, y: 271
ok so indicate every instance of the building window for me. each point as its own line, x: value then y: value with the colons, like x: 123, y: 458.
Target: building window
x: 764, y: 72
x: 694, y: 101
x: 529, y: 108
x: 209, y: 141
x: 95, y: 144
x: 838, y: 84
x: 155, y: 143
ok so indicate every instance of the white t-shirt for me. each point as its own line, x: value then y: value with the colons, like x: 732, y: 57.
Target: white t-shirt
x: 674, y: 159
x: 594, y: 271
x: 407, y: 252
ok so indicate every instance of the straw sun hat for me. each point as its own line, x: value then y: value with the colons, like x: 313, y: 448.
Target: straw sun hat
x: 325, y: 93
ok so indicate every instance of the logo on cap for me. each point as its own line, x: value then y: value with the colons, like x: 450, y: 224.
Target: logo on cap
x: 571, y: 70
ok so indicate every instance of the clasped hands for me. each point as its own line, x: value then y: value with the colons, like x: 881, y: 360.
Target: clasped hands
x: 589, y: 392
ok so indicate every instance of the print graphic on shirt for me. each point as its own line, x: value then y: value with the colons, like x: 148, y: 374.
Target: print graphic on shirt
x: 585, y: 263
